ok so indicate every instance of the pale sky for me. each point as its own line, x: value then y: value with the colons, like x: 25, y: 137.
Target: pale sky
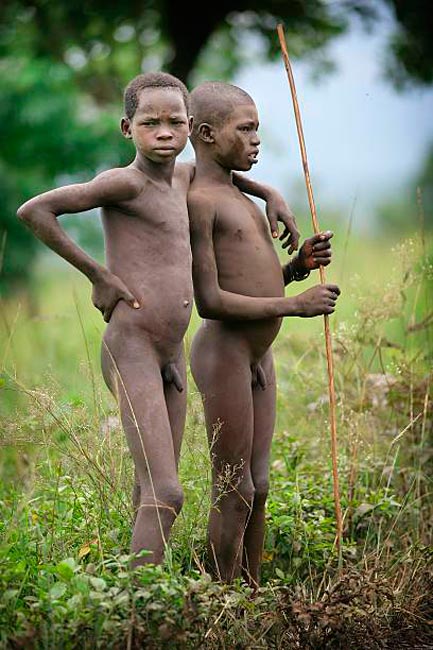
x: 364, y: 139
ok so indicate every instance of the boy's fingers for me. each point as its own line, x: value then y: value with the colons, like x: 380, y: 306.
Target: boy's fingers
x: 291, y: 236
x: 291, y: 247
x: 292, y: 243
x: 295, y: 239
x: 321, y: 239
x: 274, y: 227
x: 322, y: 246
x: 284, y: 233
x: 325, y: 255
x: 322, y: 261
x: 131, y: 300
x: 334, y: 289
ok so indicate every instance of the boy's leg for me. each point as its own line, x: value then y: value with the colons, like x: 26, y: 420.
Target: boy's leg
x: 224, y: 381
x: 264, y: 421
x: 176, y: 407
x: 133, y: 373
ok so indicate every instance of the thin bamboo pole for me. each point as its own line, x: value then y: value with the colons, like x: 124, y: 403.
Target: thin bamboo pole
x: 330, y: 363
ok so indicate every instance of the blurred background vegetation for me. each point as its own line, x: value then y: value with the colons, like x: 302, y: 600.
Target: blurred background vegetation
x: 64, y: 66
x: 65, y: 471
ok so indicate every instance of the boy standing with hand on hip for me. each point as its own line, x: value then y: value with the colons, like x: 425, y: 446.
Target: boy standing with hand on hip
x: 239, y: 290
x: 145, y: 292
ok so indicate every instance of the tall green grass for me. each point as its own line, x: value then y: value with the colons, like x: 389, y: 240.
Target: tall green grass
x: 66, y: 478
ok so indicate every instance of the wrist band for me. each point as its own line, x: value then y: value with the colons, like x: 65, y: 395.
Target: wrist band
x: 291, y: 274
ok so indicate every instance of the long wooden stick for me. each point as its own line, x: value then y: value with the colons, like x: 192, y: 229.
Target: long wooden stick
x: 332, y: 400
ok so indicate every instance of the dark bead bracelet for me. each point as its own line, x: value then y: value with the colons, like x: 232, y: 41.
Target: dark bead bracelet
x: 292, y: 275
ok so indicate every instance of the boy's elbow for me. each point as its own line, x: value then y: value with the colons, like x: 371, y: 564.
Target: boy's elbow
x: 206, y: 310
x: 27, y: 212
x: 23, y: 213
x: 210, y: 307
x: 33, y: 212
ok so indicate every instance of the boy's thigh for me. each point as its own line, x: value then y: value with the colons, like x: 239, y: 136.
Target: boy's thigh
x: 135, y: 374
x: 228, y: 406
x: 264, y: 404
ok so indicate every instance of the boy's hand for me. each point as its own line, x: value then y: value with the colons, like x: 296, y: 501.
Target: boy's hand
x: 278, y: 210
x: 314, y: 252
x: 108, y: 289
x: 318, y: 300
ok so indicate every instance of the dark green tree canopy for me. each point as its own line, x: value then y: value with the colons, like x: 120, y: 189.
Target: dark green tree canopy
x: 411, y: 47
x: 106, y: 41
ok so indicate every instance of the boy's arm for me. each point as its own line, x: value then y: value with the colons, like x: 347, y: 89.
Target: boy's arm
x: 276, y: 210
x: 314, y: 252
x: 276, y: 207
x: 40, y: 215
x: 216, y: 303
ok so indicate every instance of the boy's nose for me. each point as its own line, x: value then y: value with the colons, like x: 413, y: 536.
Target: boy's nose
x: 164, y: 133
x: 255, y: 139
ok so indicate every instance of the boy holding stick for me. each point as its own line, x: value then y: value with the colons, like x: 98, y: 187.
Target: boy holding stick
x: 239, y: 290
x: 145, y: 292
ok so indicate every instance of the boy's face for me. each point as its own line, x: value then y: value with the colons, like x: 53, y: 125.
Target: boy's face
x: 160, y: 125
x: 236, y: 140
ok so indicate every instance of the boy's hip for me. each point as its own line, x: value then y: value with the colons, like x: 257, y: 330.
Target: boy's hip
x: 250, y: 339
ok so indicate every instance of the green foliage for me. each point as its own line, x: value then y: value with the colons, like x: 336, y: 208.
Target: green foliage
x: 50, y: 134
x: 66, y: 479
x: 411, y: 46
x: 109, y: 43
x: 425, y: 196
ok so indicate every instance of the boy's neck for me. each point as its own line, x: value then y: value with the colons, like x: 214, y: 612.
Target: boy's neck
x: 211, y: 171
x: 160, y: 172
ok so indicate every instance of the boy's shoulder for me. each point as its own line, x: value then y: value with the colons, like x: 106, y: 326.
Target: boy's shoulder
x: 184, y: 172
x: 126, y: 182
x: 201, y: 202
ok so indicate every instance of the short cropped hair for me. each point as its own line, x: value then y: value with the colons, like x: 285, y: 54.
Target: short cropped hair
x: 213, y: 101
x: 151, y: 80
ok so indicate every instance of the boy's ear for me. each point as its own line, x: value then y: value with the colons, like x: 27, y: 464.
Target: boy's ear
x: 206, y: 133
x: 125, y: 127
x: 190, y: 122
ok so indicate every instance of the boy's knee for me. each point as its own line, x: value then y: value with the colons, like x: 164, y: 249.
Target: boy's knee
x: 245, y: 494
x: 261, y: 490
x: 171, y: 496
x: 164, y: 496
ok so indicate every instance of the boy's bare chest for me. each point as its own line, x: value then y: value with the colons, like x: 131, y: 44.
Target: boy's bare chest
x: 154, y: 213
x: 162, y: 208
x: 246, y: 257
x: 241, y: 222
